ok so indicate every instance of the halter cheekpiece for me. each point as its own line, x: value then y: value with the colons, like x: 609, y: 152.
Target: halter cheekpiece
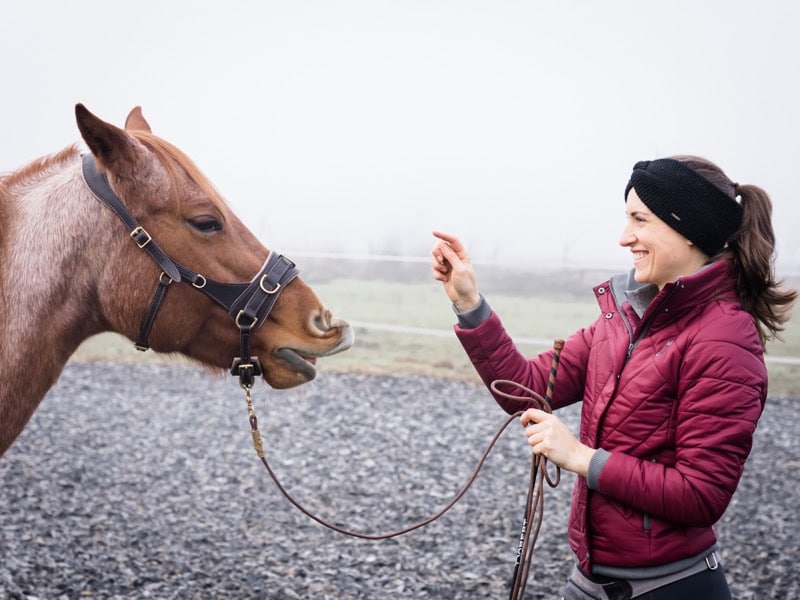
x: 248, y: 304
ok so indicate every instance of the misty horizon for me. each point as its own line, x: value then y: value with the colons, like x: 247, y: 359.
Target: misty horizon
x: 360, y: 127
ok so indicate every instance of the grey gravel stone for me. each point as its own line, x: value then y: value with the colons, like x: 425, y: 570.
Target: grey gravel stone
x: 142, y: 482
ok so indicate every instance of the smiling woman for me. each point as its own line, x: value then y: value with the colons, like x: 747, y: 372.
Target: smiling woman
x: 671, y: 377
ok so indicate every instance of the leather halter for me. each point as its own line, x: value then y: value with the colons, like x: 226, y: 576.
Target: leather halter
x: 248, y: 304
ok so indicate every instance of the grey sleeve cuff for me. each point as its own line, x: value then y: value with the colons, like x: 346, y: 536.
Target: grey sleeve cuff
x: 596, y: 464
x: 473, y: 317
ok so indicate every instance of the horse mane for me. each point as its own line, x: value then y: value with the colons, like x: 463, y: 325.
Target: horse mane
x: 172, y: 158
x: 38, y: 167
x: 29, y: 172
x: 5, y: 201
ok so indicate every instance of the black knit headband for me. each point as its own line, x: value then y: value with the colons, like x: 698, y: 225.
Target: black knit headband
x: 687, y: 202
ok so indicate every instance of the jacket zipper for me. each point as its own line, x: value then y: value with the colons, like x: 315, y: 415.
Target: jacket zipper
x: 644, y: 327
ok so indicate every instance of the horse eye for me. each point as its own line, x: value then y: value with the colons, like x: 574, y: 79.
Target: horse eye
x: 206, y: 224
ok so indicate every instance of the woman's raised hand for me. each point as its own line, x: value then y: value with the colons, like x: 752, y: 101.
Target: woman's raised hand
x: 451, y: 265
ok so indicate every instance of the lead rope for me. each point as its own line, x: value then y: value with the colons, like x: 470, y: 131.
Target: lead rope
x: 534, y: 507
x: 257, y: 443
x: 535, y: 496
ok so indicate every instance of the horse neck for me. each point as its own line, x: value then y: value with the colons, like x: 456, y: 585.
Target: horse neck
x: 45, y: 282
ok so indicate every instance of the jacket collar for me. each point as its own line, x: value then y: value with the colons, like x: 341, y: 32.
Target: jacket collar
x: 714, y: 280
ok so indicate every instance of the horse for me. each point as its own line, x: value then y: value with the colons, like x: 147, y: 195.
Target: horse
x: 131, y: 237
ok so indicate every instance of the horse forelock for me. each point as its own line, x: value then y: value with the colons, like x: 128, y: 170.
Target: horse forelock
x: 174, y: 159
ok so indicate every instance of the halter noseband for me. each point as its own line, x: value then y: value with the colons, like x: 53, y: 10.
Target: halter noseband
x: 248, y: 304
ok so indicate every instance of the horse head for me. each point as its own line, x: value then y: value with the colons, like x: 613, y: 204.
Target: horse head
x: 184, y: 216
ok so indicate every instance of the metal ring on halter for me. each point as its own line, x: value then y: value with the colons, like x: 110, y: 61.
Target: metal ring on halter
x: 265, y: 290
x: 196, y: 283
x: 240, y: 326
x: 165, y: 279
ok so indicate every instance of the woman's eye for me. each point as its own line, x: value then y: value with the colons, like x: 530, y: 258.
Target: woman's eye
x: 206, y: 224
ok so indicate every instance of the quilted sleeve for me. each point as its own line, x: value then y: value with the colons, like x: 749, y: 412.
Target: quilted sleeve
x: 495, y: 356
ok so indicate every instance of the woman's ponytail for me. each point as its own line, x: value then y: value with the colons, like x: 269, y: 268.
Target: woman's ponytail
x: 752, y: 252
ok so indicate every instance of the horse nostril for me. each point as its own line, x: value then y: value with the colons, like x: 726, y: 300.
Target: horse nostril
x: 322, y: 321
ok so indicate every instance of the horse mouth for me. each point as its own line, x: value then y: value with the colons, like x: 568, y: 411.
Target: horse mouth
x: 298, y: 362
x: 303, y: 363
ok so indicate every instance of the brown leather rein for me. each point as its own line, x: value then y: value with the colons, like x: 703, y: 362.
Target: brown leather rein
x: 534, y: 509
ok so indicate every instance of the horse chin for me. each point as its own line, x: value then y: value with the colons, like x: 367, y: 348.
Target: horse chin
x: 303, y: 366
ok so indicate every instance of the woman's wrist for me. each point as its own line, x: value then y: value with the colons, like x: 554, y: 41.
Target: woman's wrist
x: 581, y: 460
x: 475, y: 315
x: 463, y: 305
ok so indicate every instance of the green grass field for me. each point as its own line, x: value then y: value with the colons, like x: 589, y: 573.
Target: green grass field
x: 412, y: 300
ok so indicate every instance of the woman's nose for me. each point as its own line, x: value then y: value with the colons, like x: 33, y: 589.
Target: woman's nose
x: 627, y: 238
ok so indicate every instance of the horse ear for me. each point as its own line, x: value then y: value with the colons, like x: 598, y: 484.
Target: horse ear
x: 111, y: 146
x: 136, y: 121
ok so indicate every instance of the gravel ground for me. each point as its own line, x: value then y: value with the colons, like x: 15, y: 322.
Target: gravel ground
x: 142, y: 482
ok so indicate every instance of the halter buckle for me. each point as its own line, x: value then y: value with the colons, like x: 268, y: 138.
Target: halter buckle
x: 246, y: 370
x: 140, y: 236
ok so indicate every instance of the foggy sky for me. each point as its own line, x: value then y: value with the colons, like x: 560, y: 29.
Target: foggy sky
x: 360, y: 126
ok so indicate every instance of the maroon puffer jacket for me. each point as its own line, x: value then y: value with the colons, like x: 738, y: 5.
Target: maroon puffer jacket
x: 674, y: 397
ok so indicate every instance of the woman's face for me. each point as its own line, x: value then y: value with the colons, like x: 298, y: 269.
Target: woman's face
x: 660, y: 254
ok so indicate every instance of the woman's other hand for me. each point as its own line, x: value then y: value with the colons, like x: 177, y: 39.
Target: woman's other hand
x: 549, y: 437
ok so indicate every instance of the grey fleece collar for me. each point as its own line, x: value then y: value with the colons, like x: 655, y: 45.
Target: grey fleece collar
x: 638, y: 294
